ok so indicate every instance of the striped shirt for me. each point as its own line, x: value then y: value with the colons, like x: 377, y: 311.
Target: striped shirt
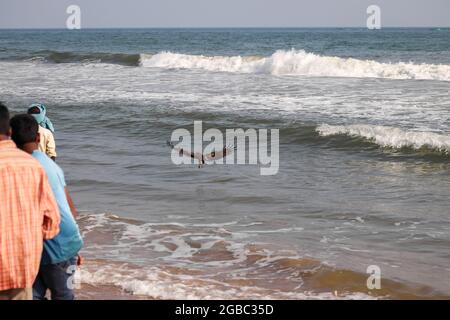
x: 28, y: 214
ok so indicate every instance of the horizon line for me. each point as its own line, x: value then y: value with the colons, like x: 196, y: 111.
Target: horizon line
x: 255, y: 27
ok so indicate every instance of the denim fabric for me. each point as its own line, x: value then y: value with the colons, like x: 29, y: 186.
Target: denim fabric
x: 55, y: 277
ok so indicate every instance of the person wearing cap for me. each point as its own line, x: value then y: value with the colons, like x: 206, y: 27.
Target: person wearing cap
x: 46, y: 130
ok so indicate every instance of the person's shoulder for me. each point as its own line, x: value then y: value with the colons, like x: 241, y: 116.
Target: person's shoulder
x: 19, y: 158
x: 43, y: 158
x: 46, y: 162
x: 45, y: 131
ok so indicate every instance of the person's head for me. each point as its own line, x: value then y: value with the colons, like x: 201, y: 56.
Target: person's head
x: 25, y: 132
x: 4, y: 121
x: 37, y: 110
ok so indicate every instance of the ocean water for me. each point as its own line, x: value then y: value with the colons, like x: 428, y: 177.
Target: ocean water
x: 364, y: 178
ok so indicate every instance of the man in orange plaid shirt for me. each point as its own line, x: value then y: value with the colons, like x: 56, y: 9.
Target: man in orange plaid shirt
x: 28, y: 215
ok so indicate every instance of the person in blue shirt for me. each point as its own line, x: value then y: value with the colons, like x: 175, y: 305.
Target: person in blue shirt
x: 60, y: 255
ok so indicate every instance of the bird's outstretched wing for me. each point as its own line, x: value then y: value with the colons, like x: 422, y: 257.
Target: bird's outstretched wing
x: 186, y: 153
x: 215, y: 155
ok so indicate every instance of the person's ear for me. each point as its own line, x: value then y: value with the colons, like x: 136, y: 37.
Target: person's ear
x: 38, y: 138
x: 9, y: 133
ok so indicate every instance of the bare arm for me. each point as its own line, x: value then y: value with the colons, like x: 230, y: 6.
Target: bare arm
x: 73, y: 209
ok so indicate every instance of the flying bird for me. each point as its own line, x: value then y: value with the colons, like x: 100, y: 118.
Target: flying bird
x: 202, y: 158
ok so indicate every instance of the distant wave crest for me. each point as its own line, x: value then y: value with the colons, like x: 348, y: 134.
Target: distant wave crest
x: 390, y: 137
x: 282, y: 62
x: 71, y: 57
x: 299, y: 62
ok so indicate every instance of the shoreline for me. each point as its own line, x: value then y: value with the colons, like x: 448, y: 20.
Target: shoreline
x: 105, y: 292
x: 96, y: 286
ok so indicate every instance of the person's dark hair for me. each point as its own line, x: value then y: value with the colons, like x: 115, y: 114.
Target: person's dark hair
x: 4, y: 119
x: 34, y: 110
x: 24, y: 129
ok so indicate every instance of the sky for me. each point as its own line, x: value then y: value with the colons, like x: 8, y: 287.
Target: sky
x: 223, y: 13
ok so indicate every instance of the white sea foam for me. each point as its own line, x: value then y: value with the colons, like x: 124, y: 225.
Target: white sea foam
x: 416, y: 104
x: 299, y: 62
x: 390, y: 137
x: 158, y: 284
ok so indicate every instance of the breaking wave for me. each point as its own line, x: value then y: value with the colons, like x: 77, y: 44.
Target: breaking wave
x: 391, y: 137
x: 299, y: 62
x: 291, y: 62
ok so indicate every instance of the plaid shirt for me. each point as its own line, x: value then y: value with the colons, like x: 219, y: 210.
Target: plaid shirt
x: 28, y: 215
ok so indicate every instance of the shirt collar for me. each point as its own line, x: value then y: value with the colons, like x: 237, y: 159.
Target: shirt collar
x: 9, y: 144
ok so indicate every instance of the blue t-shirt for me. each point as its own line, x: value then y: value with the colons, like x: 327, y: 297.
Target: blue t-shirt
x: 68, y: 241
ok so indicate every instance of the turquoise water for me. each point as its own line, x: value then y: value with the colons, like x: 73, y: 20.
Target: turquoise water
x: 430, y: 45
x: 364, y: 177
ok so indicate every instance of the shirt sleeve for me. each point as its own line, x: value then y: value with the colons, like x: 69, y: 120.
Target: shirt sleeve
x: 51, y: 145
x: 49, y: 209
